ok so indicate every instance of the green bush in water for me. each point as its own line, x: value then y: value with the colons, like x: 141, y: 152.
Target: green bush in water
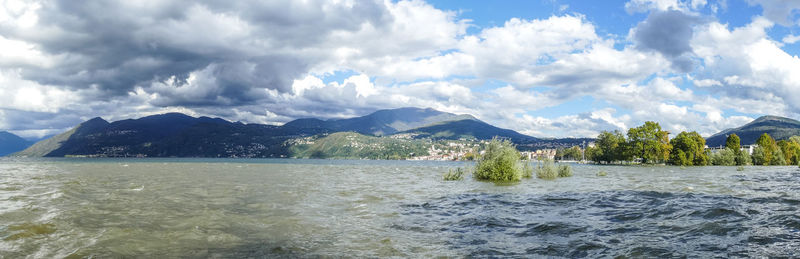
x: 527, y: 170
x: 499, y: 163
x: 602, y: 173
x: 546, y: 170
x: 726, y: 157
x: 564, y: 170
x: 777, y: 158
x: 740, y: 168
x: 456, y: 175
x: 743, y: 158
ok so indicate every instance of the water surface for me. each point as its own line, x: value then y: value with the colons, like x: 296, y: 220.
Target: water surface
x: 311, y: 208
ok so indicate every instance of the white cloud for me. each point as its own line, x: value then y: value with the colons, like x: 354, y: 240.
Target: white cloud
x: 779, y: 11
x: 706, y: 82
x: 749, y: 63
x: 20, y: 94
x: 791, y: 39
x: 634, y: 6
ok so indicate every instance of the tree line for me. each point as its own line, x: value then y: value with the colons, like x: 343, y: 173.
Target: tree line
x: 649, y: 144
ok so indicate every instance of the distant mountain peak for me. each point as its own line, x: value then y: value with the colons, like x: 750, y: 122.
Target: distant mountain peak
x: 95, y: 120
x: 773, y: 118
x: 380, y: 122
x: 776, y: 126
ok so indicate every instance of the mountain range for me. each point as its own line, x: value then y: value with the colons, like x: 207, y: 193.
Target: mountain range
x: 10, y: 143
x: 179, y: 135
x: 777, y: 127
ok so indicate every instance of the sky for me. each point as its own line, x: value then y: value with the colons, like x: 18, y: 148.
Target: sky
x: 546, y: 68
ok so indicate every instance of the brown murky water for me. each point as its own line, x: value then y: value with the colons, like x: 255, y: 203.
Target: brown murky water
x: 310, y: 208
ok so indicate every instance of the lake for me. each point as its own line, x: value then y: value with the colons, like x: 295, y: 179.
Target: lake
x: 234, y: 208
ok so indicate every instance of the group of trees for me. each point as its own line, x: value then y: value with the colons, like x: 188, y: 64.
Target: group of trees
x: 573, y: 153
x: 732, y: 154
x: 649, y: 144
x: 766, y: 152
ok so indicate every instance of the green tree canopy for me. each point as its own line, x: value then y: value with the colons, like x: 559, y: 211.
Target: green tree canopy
x: 790, y: 150
x: 573, y: 153
x: 769, y: 146
x: 733, y: 143
x: 759, y: 156
x: 777, y: 157
x: 611, y: 147
x: 688, y: 148
x: 593, y: 154
x: 649, y: 142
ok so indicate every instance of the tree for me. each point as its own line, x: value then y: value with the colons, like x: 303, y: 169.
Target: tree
x: 573, y: 153
x: 795, y: 139
x: 593, y: 154
x: 790, y: 150
x: 611, y: 147
x: 678, y: 157
x: 777, y: 157
x: 649, y: 142
x: 700, y: 156
x: 733, y: 143
x: 768, y: 144
x: 759, y: 156
x: 688, y: 148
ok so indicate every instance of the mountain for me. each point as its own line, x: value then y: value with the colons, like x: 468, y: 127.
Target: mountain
x: 179, y: 135
x: 165, y: 135
x: 467, y: 129
x: 777, y: 127
x: 379, y: 123
x: 10, y: 143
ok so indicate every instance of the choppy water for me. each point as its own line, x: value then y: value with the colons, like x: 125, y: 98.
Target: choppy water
x: 316, y: 208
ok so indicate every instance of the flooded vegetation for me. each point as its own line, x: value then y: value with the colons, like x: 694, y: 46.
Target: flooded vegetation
x: 316, y: 208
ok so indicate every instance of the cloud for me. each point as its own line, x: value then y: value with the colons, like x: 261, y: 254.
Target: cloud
x: 779, y: 11
x: 117, y: 46
x: 668, y: 33
x: 749, y: 65
x: 272, y: 62
x: 791, y: 39
x: 635, y: 6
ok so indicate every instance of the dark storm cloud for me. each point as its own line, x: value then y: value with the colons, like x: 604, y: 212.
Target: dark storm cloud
x: 251, y: 46
x: 668, y: 32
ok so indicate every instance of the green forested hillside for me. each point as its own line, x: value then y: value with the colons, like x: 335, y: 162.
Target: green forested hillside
x: 357, y: 146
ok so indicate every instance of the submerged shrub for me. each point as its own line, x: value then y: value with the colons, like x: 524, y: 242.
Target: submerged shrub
x: 564, y: 170
x: 546, y: 170
x: 602, y: 173
x: 743, y: 158
x: 726, y: 157
x: 456, y: 175
x: 499, y: 162
x: 740, y: 168
x: 759, y: 157
x: 527, y: 170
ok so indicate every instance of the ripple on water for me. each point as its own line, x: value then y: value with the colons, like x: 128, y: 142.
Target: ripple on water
x: 608, y: 223
x: 27, y: 230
